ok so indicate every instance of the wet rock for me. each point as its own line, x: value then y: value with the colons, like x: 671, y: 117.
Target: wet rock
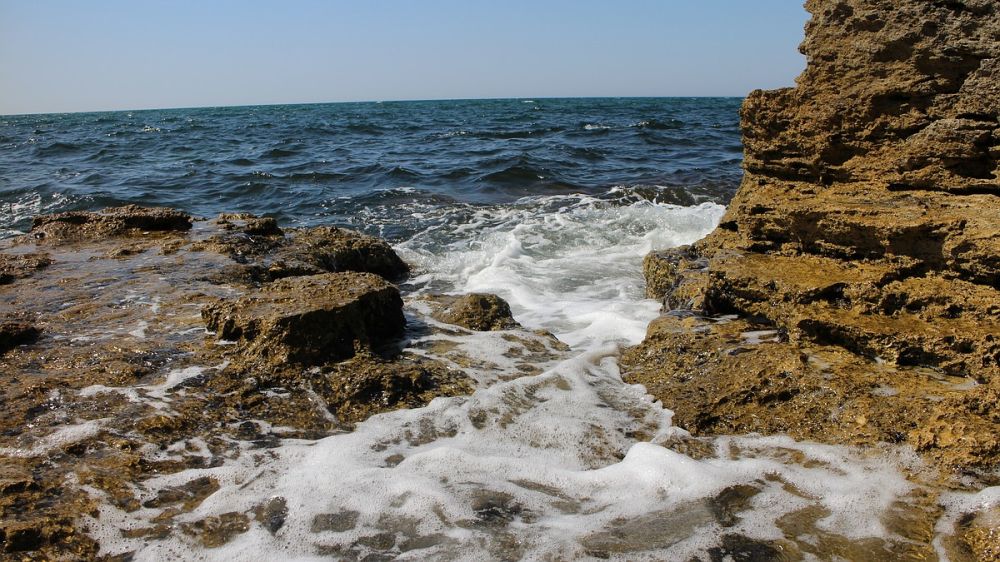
x: 13, y: 334
x: 309, y: 319
x: 214, y: 532
x: 265, y: 254
x: 864, y: 234
x: 366, y: 385
x: 739, y: 548
x: 495, y: 509
x: 272, y: 514
x: 113, y: 221
x: 250, y: 224
x: 658, y: 529
x: 476, y: 311
x: 676, y: 277
x: 980, y: 533
x: 336, y: 522
x: 728, y: 503
x: 189, y: 495
x: 17, y: 266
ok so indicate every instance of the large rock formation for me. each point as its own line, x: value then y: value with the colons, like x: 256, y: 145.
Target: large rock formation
x: 861, y: 255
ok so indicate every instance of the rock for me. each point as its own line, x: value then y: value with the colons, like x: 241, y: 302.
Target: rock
x: 338, y: 249
x: 863, y: 234
x: 265, y: 254
x: 676, y: 277
x: 250, y: 224
x: 113, y: 221
x: 311, y: 319
x: 476, y: 311
x: 18, y: 266
x: 366, y: 385
x: 13, y: 334
x: 215, y: 531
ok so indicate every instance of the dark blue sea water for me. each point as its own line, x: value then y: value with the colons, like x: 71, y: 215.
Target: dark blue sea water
x: 361, y: 164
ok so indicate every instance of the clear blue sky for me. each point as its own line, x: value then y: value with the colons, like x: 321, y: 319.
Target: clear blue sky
x: 76, y: 55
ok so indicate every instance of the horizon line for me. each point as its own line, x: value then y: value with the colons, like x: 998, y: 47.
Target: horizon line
x: 283, y: 104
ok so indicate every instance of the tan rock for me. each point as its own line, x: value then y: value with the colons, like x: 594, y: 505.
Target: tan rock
x: 113, y: 221
x: 476, y: 311
x: 310, y: 319
x: 865, y: 234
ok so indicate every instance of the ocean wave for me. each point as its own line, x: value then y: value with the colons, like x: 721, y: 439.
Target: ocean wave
x: 278, y: 153
x: 57, y: 149
x: 657, y: 125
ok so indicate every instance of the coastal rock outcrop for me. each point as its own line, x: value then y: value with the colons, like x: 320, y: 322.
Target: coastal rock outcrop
x: 309, y: 319
x: 859, y: 257
x: 263, y: 252
x: 113, y: 221
x: 481, y: 312
x: 105, y: 358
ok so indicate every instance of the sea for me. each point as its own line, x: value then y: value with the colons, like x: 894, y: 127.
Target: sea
x: 549, y: 203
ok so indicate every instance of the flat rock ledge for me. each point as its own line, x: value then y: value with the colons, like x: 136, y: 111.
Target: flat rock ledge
x: 309, y: 319
x: 113, y: 221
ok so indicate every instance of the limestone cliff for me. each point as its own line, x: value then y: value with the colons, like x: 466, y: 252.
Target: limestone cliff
x: 861, y: 254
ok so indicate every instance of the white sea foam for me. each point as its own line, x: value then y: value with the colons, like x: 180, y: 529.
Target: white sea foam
x: 61, y: 437
x: 534, y: 467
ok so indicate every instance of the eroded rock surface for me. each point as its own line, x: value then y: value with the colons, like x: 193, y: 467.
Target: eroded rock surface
x: 859, y: 258
x: 476, y: 311
x: 262, y: 252
x: 309, y: 319
x: 113, y: 221
x: 106, y: 358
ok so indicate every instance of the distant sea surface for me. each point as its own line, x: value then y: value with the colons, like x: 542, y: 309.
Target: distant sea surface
x: 378, y: 167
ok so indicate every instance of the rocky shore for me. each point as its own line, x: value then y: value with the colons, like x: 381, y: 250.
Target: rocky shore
x: 264, y: 334
x: 851, y: 294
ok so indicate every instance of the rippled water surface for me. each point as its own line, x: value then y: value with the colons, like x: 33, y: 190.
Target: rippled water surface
x: 343, y: 163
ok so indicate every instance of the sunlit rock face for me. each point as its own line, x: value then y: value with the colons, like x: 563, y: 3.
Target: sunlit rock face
x: 864, y: 243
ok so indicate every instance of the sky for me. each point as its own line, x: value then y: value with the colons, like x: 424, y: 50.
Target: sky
x: 72, y: 55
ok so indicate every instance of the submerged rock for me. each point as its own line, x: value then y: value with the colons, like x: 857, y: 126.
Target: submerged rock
x: 18, y: 266
x: 310, y: 319
x: 366, y: 385
x: 864, y: 236
x: 13, y: 334
x: 476, y: 311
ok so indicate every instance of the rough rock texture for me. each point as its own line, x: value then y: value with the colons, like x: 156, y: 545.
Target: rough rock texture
x: 477, y: 311
x: 18, y: 266
x: 309, y: 319
x: 114, y: 221
x: 263, y: 252
x: 13, y: 334
x: 865, y: 235
x: 107, y: 371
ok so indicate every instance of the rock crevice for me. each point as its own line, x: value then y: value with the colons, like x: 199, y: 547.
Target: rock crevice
x: 865, y: 235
